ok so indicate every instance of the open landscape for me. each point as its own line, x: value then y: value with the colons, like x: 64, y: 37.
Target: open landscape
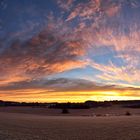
x: 16, y: 126
x: 69, y: 69
x: 100, y: 111
x: 37, y: 123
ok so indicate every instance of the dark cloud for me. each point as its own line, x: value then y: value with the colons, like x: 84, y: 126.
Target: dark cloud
x: 45, y: 53
x: 65, y: 84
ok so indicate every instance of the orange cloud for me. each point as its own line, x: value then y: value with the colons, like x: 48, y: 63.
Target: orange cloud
x: 63, y: 46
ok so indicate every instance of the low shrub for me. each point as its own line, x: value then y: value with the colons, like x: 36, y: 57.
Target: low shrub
x: 65, y: 111
x: 127, y: 113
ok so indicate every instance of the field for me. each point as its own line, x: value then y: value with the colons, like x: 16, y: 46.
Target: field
x: 100, y: 111
x: 30, y: 125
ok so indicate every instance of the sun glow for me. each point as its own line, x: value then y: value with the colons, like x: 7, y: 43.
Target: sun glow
x: 45, y: 96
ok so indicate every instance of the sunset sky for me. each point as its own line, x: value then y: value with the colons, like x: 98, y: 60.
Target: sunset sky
x: 69, y: 50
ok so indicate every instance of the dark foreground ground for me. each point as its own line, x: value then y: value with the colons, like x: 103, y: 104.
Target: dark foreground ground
x: 20, y: 126
x: 100, y: 111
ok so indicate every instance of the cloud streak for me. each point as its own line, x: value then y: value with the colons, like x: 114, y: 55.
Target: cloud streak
x: 64, y: 89
x: 78, y: 35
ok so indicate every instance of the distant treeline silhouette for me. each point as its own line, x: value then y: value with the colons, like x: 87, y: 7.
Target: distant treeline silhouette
x: 85, y: 105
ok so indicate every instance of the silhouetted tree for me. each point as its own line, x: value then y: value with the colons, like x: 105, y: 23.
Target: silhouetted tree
x: 127, y: 113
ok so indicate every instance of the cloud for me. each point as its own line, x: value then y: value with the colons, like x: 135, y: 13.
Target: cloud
x: 45, y: 53
x: 113, y: 29
x: 83, y: 32
x: 115, y: 73
x: 65, y: 89
x: 65, y: 5
x: 95, y: 9
x: 84, y: 10
x: 65, y: 84
x: 125, y: 48
x: 60, y: 47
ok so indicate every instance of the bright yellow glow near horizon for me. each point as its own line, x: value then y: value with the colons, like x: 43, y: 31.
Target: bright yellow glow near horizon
x: 69, y: 96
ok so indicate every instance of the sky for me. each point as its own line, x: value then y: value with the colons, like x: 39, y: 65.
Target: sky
x: 69, y: 50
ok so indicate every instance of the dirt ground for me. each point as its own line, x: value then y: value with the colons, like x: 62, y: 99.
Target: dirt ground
x: 20, y: 126
x: 100, y: 111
